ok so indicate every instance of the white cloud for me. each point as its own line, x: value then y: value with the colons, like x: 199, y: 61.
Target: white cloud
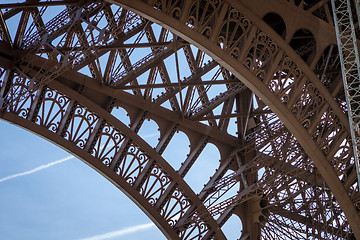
x: 42, y: 167
x: 151, y: 135
x: 121, y: 232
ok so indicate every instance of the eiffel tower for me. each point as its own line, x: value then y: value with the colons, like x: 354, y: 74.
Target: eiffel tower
x: 260, y: 80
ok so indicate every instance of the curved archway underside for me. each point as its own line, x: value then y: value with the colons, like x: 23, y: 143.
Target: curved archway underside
x: 214, y: 70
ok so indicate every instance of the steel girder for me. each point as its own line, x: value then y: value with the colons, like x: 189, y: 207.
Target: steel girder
x: 290, y: 159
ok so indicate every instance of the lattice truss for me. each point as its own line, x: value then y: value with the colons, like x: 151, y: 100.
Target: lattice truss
x: 71, y: 70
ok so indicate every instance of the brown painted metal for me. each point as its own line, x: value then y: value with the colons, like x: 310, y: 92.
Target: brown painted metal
x: 259, y: 82
x: 34, y: 4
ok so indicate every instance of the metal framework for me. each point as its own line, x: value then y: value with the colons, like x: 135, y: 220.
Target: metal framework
x: 350, y: 65
x: 261, y: 80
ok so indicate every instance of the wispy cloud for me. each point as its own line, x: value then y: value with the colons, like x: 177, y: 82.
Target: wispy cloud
x: 151, y: 135
x: 42, y: 167
x: 121, y: 232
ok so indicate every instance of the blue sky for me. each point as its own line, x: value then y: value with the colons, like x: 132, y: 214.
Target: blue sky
x: 67, y: 200
x: 47, y: 194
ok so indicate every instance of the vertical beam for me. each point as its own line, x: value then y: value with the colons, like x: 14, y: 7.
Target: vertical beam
x: 95, y: 134
x: 21, y: 28
x: 160, y: 148
x: 9, y: 75
x: 127, y: 142
x: 350, y: 67
x: 70, y: 110
x: 194, y: 68
x: 161, y: 66
x: 4, y: 30
x: 185, y: 167
x: 204, y: 193
x: 36, y: 104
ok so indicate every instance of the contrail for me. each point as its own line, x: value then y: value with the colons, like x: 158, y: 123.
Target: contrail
x: 54, y: 163
x: 35, y: 169
x: 150, y: 135
x: 121, y: 232
x: 38, y: 168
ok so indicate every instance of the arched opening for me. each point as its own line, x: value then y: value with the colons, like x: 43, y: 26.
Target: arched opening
x: 276, y: 22
x: 233, y: 227
x: 304, y: 43
x: 204, y: 167
x: 149, y: 131
x: 121, y: 114
x: 177, y: 150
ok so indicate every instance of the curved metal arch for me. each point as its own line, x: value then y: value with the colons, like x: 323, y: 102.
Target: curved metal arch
x: 98, y: 166
x: 312, y: 127
x: 325, y: 34
x: 108, y: 172
x: 162, y: 15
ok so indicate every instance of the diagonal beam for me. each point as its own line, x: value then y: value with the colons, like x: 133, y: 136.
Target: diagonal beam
x: 308, y: 221
x: 193, y: 78
x: 164, y: 75
x: 21, y: 28
x: 4, y: 29
x: 149, y: 61
x: 216, y: 101
x: 160, y: 148
x: 121, y: 38
x: 34, y: 4
x: 194, y: 68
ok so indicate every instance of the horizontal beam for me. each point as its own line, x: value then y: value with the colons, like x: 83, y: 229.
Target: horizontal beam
x: 181, y: 84
x: 37, y: 4
x: 108, y: 47
x: 233, y: 115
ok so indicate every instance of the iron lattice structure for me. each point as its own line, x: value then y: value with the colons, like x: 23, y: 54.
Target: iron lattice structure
x: 350, y: 65
x: 260, y: 80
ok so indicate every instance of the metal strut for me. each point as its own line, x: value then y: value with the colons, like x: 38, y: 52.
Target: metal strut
x: 350, y: 67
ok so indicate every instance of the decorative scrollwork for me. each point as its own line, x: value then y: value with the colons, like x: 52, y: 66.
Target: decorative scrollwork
x: 81, y: 125
x: 17, y: 99
x: 290, y: 181
x: 175, y: 207
x: 108, y: 144
x: 155, y: 185
x: 327, y: 131
x: 284, y: 78
x: 172, y: 7
x: 260, y: 53
x: 233, y: 31
x: 52, y: 109
x: 132, y: 164
x: 202, y: 15
x: 308, y: 103
x: 195, y: 230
